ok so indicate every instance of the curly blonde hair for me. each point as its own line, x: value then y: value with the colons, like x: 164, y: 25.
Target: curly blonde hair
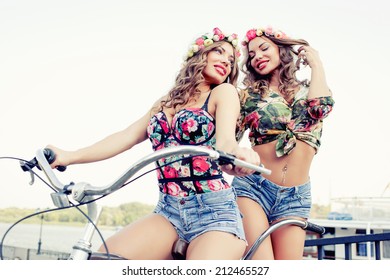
x: 191, y: 76
x: 287, y: 70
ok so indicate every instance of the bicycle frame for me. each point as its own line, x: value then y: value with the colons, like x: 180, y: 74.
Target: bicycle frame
x: 180, y: 247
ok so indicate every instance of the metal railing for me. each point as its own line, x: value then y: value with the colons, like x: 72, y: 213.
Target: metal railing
x: 377, y: 240
x: 347, y: 241
x: 21, y: 253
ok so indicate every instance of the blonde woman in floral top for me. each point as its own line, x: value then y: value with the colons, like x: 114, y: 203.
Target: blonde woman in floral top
x: 196, y: 204
x: 284, y: 117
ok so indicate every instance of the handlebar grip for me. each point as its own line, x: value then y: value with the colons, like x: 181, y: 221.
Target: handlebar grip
x: 51, y: 157
x: 315, y: 228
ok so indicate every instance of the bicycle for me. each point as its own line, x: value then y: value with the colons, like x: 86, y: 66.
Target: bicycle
x: 180, y: 246
x: 84, y: 193
x: 75, y: 194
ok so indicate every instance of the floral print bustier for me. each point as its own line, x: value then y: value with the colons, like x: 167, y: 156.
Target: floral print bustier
x: 271, y: 118
x: 186, y: 176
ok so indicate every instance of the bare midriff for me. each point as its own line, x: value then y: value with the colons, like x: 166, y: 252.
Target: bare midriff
x: 289, y: 170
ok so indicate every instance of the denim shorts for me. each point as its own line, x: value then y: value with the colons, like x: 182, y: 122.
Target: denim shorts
x: 278, y: 202
x: 194, y: 215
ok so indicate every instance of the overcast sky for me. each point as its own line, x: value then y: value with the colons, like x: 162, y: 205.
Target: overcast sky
x: 72, y: 72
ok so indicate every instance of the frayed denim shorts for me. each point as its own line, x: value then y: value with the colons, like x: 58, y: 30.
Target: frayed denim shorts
x: 194, y: 215
x: 278, y: 202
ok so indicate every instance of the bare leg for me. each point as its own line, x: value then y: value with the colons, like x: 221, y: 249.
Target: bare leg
x: 216, y: 245
x: 288, y: 243
x: 255, y: 223
x: 151, y: 237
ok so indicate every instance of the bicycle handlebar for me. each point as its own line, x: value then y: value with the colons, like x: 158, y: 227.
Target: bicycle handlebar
x: 80, y: 191
x: 306, y: 225
x: 315, y: 228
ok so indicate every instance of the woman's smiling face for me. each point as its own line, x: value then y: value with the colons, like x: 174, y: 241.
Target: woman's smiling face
x: 263, y: 55
x: 220, y: 62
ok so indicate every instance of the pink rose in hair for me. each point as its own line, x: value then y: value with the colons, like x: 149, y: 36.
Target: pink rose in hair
x: 210, y: 38
x: 199, y: 41
x: 217, y: 31
x: 251, y: 34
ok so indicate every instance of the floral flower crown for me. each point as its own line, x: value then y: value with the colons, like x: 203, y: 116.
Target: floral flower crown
x: 209, y: 39
x: 258, y: 32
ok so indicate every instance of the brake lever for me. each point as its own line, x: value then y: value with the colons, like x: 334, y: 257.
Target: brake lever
x: 225, y: 158
x: 50, y: 157
x: 27, y: 166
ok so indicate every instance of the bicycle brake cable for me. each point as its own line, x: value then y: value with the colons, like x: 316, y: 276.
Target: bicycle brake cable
x: 75, y: 205
x: 47, y: 211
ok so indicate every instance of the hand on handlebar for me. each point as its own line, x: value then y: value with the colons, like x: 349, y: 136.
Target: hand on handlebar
x: 61, y: 158
x: 245, y: 154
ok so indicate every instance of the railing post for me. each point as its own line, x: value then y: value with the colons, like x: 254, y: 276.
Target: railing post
x: 320, y: 251
x: 348, y: 253
x: 377, y: 250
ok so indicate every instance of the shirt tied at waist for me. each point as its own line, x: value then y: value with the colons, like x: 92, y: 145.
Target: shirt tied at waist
x: 286, y: 142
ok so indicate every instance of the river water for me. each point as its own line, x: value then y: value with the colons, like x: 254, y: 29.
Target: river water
x: 53, y: 237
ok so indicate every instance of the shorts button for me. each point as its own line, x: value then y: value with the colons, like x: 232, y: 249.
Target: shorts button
x: 182, y: 202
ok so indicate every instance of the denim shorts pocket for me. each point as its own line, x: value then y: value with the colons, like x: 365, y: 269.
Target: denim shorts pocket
x: 305, y: 201
x: 221, y: 212
x: 243, y: 182
x: 166, y: 210
x: 303, y: 196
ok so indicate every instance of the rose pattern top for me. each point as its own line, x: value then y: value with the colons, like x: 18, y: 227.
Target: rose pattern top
x: 271, y: 118
x: 182, y: 175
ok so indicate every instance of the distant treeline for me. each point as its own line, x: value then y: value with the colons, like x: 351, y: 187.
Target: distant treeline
x: 111, y: 216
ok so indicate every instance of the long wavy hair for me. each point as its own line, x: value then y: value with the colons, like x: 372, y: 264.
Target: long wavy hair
x: 289, y: 65
x: 191, y: 76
